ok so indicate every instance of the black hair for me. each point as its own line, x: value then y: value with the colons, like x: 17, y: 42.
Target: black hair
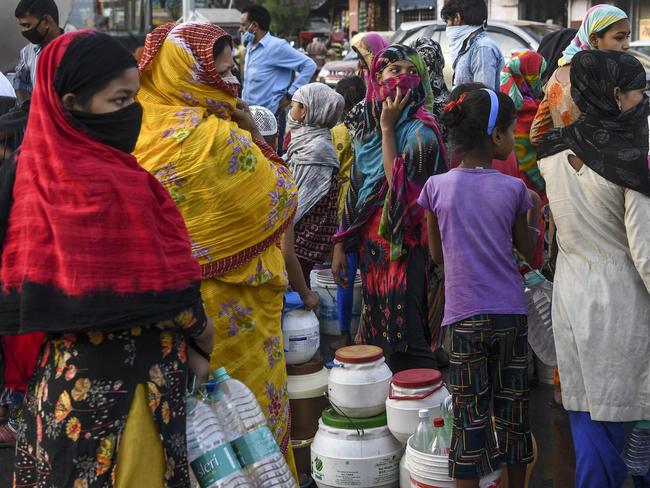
x: 472, y: 12
x: 468, y: 119
x: 38, y: 9
x: 464, y: 88
x: 91, y: 61
x: 221, y: 44
x: 257, y: 13
x: 353, y: 90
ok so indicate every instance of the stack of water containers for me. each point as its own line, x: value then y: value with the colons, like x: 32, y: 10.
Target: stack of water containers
x: 228, y: 440
x: 307, y: 377
x: 353, y: 446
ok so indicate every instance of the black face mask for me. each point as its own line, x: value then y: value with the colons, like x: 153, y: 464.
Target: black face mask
x: 119, y: 129
x: 34, y: 36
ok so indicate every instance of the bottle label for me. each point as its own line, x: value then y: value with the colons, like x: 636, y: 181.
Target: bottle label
x: 255, y: 446
x: 215, y: 465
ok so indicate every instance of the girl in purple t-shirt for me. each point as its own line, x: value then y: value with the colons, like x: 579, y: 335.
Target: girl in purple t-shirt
x: 474, y: 215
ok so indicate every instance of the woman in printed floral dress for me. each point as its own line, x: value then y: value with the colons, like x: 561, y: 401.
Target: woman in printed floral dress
x: 237, y: 198
x: 96, y: 255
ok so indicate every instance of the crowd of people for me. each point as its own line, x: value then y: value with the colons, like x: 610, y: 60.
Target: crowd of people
x: 153, y: 214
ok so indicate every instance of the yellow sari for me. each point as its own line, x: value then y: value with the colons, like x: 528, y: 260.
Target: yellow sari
x: 236, y: 203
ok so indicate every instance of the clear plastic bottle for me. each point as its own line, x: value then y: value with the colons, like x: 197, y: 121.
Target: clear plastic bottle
x: 539, y: 293
x: 211, y: 457
x: 440, y: 443
x: 236, y: 406
x: 637, y: 451
x: 424, y: 432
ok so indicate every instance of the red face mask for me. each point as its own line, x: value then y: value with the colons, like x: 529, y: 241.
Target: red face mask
x: 405, y: 82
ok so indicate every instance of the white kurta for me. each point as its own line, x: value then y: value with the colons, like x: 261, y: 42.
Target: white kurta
x: 601, y: 295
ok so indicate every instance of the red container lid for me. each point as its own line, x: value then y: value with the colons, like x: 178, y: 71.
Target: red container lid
x: 438, y: 422
x: 418, y: 378
x: 359, y: 354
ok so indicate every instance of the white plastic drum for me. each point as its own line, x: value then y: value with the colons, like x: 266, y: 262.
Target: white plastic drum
x: 355, y: 453
x: 359, y: 381
x: 301, y: 336
x: 410, y: 391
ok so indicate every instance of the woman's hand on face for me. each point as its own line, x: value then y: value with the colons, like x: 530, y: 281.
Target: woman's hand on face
x: 392, y: 109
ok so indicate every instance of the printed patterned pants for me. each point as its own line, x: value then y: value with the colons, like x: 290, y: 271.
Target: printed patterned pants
x: 489, y: 378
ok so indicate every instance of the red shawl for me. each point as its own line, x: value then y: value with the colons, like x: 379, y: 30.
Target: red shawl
x: 92, y: 239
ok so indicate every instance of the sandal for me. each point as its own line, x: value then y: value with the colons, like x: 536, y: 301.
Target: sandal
x: 7, y: 436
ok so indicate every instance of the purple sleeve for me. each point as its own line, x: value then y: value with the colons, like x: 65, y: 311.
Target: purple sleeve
x: 525, y: 203
x: 424, y: 200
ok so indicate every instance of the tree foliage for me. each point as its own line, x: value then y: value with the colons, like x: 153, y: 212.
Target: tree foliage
x: 288, y: 16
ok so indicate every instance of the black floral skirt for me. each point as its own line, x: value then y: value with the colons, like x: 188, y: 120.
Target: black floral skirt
x: 79, y: 399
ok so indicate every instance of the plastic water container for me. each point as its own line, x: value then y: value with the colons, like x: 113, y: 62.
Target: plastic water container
x: 211, y: 457
x: 410, y: 391
x: 637, y: 450
x: 539, y: 293
x: 307, y: 390
x: 404, y: 475
x: 359, y: 381
x: 300, y: 331
x: 430, y: 471
x: 355, y: 453
x: 322, y: 282
x: 259, y: 454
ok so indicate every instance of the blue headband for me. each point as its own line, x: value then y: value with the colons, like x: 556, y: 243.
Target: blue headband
x: 494, y: 110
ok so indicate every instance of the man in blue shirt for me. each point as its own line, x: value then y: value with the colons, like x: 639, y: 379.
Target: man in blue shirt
x: 476, y: 58
x: 270, y: 64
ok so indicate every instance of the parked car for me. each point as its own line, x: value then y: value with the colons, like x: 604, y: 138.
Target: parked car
x: 510, y: 36
x: 334, y: 71
x: 641, y: 46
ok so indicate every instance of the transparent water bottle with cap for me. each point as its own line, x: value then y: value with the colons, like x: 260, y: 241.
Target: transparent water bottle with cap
x: 440, y: 443
x: 211, y: 457
x: 423, y: 433
x: 637, y: 451
x: 539, y: 293
x: 236, y: 406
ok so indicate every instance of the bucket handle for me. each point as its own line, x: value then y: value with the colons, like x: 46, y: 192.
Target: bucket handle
x: 413, y: 397
x: 338, y: 410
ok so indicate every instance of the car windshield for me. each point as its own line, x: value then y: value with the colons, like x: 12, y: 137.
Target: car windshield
x: 645, y: 50
x: 538, y: 31
x: 406, y: 37
x: 351, y: 55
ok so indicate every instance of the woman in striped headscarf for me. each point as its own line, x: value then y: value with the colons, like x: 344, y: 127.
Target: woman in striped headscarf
x: 604, y: 27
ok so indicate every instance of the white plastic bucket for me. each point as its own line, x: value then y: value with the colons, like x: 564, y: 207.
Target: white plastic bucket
x: 359, y: 389
x: 430, y: 471
x: 301, y: 336
x: 404, y: 475
x: 322, y: 282
x: 349, y: 457
x: 407, y: 396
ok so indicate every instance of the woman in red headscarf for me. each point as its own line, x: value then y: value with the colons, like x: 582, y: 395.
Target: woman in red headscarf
x: 96, y: 255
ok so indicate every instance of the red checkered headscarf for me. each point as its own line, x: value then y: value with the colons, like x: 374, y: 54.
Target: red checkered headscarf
x: 199, y: 39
